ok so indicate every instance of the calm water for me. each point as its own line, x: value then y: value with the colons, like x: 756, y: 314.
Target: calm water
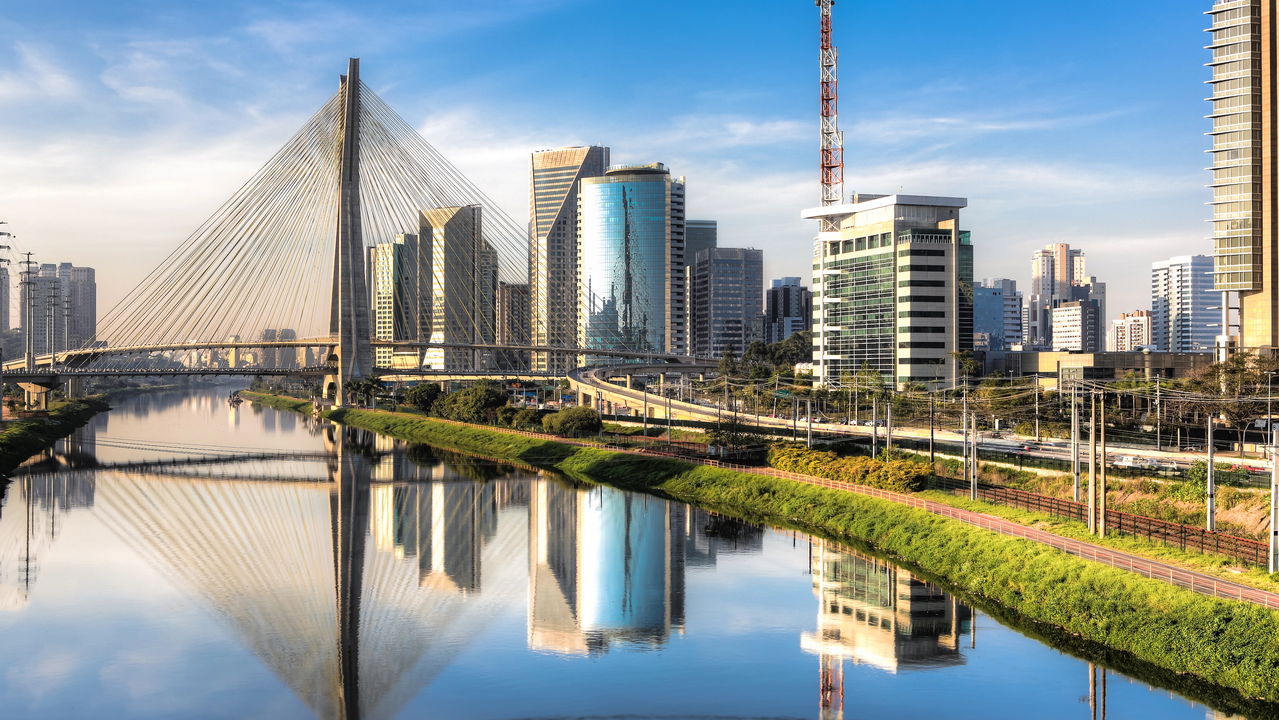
x: 359, y: 578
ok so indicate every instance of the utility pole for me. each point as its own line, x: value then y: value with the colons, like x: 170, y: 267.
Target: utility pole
x: 29, y: 321
x: 645, y: 410
x: 1212, y: 480
x: 1037, y: 436
x: 669, y: 420
x: 1159, y: 411
x: 972, y: 473
x: 1101, y: 490
x: 963, y: 428
x: 1274, y: 501
x: 874, y: 425
x: 1074, y: 438
x: 810, y: 422
x: 932, y: 457
x: 888, y: 425
x: 1092, y: 463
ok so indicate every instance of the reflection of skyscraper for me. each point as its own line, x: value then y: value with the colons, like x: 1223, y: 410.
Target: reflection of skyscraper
x: 873, y: 612
x: 603, y: 568
x: 442, y: 524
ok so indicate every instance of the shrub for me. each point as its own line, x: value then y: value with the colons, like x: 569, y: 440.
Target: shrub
x: 573, y: 422
x: 897, y: 475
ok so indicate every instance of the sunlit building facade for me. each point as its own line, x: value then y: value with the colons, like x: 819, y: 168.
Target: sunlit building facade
x: 553, y: 183
x: 400, y: 292
x: 464, y: 270
x: 892, y: 290
x: 631, y: 260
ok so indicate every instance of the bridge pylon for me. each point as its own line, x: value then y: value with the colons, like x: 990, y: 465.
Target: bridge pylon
x: 349, y: 317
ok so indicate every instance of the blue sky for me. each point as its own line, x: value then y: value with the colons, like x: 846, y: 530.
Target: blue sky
x: 123, y: 125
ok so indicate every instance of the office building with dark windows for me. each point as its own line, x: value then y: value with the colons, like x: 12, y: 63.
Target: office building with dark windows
x: 788, y: 309
x: 630, y: 250
x: 892, y: 289
x: 725, y: 292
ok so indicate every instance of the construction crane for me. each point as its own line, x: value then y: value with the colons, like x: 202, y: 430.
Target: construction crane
x: 832, y: 159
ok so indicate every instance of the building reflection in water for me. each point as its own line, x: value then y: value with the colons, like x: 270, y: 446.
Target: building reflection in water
x: 31, y: 518
x: 874, y: 613
x: 607, y: 567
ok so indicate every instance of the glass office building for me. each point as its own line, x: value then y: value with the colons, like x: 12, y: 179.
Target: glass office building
x: 631, y: 260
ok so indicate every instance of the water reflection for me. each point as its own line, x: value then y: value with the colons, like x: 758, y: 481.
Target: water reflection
x: 358, y: 569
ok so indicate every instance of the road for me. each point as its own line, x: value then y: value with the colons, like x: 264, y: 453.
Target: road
x: 597, y: 378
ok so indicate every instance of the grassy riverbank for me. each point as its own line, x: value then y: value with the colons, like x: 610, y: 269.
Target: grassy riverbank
x: 21, y: 439
x: 1226, y: 643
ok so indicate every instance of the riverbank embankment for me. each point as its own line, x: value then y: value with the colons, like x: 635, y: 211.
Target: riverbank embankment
x: 1229, y: 644
x: 20, y: 439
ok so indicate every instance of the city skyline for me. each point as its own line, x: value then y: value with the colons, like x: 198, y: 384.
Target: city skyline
x: 751, y: 169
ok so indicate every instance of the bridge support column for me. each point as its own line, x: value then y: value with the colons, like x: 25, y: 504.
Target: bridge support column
x: 35, y: 397
x: 73, y: 387
x: 630, y: 382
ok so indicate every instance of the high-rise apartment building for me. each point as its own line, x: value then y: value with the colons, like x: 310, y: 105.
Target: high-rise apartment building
x: 59, y: 305
x: 512, y: 325
x: 699, y: 235
x: 892, y: 289
x: 1245, y: 120
x: 1129, y: 332
x: 725, y: 292
x: 553, y: 183
x: 80, y: 296
x: 400, y: 292
x: 1055, y: 271
x: 997, y: 314
x: 463, y: 287
x: 1076, y: 326
x: 1181, y: 295
x: 788, y: 309
x: 631, y: 293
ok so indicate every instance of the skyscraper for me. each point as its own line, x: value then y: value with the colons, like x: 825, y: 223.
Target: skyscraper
x: 788, y: 309
x: 400, y: 292
x: 80, y: 298
x: 997, y: 311
x: 631, y: 293
x: 463, y: 287
x: 725, y: 292
x: 699, y: 235
x: 43, y: 313
x: 1181, y: 293
x: 1244, y: 122
x: 553, y: 273
x: 1054, y: 271
x: 892, y: 289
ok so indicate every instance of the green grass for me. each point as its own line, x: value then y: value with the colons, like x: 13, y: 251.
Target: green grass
x: 1173, y: 631
x: 21, y: 439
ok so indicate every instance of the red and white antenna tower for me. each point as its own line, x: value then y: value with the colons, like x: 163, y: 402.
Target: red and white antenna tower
x: 832, y: 162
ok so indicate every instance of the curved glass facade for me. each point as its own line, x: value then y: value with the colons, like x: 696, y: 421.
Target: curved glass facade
x: 625, y: 254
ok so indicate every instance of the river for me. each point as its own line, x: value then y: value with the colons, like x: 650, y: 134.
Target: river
x: 178, y: 558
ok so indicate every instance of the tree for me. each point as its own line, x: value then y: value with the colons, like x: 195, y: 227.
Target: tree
x: 477, y: 404
x: 1236, y: 389
x: 573, y: 422
x: 423, y: 396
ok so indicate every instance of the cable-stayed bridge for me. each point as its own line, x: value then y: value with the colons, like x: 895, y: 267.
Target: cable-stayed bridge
x: 357, y: 251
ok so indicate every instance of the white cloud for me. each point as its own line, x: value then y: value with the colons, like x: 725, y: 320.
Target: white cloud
x: 37, y: 76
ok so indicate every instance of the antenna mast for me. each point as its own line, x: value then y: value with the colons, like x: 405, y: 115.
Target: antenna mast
x: 832, y: 161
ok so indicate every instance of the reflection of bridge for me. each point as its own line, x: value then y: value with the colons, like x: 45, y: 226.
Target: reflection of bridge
x: 357, y: 251
x: 358, y: 574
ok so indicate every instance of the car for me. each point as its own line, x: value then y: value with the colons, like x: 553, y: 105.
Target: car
x: 1192, y: 448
